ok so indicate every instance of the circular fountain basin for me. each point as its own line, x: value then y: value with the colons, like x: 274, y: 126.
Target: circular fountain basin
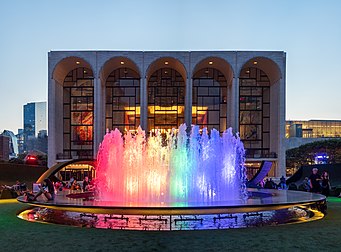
x: 263, y: 207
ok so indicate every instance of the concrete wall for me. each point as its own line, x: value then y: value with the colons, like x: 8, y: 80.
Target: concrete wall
x: 294, y: 142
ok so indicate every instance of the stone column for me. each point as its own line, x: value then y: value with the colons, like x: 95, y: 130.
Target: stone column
x: 99, y: 114
x: 281, y: 138
x: 51, y: 123
x: 144, y: 104
x: 234, y: 110
x: 188, y: 101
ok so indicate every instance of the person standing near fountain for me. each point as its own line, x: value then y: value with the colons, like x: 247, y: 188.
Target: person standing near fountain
x: 315, y: 179
x: 325, y: 184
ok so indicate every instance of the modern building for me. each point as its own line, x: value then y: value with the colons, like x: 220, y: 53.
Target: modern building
x: 314, y: 129
x: 20, y: 137
x: 4, y: 148
x: 13, y: 143
x: 91, y: 91
x: 302, y: 132
x: 34, y: 121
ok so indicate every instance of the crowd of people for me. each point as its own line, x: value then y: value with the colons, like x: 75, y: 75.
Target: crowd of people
x: 50, y: 189
x: 19, y: 188
x: 319, y: 183
x: 315, y: 183
x: 268, y: 183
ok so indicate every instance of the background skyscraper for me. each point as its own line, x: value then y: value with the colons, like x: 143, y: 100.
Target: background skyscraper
x: 34, y: 122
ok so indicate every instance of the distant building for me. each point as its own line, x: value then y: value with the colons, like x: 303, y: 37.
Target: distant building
x: 13, y: 143
x: 303, y: 132
x: 4, y: 147
x: 41, y: 141
x: 34, y: 121
x: 20, y: 137
x: 313, y: 128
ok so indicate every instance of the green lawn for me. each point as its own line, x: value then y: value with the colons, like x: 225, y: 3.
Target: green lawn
x: 19, y: 235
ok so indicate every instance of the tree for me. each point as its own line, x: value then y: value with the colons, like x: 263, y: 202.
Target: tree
x: 305, y: 154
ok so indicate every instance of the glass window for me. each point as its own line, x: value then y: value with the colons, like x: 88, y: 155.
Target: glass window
x: 78, y: 114
x: 254, y: 111
x: 209, y: 96
x: 166, y: 100
x: 122, y: 100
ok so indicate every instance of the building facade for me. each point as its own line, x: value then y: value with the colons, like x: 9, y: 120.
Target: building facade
x: 34, y: 122
x: 92, y: 91
x: 4, y: 147
x: 300, y: 132
x: 313, y: 128
x: 13, y: 143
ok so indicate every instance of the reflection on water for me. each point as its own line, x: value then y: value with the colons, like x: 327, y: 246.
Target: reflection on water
x: 168, y: 222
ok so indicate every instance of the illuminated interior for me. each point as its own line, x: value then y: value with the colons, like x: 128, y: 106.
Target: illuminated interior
x: 123, y: 100
x: 78, y: 109
x: 209, y: 99
x: 166, y: 100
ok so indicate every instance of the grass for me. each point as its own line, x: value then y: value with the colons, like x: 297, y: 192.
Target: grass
x: 19, y: 235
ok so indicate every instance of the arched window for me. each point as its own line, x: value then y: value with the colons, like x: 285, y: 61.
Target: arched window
x: 254, y: 111
x: 209, y: 99
x: 166, y: 100
x: 78, y: 113
x: 123, y: 100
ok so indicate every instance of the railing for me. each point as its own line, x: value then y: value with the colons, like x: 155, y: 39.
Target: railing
x: 262, y: 155
x: 63, y: 156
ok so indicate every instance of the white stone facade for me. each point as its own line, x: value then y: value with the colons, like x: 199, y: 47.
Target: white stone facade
x: 230, y: 63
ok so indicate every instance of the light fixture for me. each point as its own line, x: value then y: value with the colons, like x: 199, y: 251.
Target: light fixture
x: 210, y: 62
x: 255, y: 62
x: 166, y: 72
x: 166, y: 62
x: 122, y: 62
x: 77, y: 62
x: 207, y: 71
x: 84, y: 71
x: 247, y: 71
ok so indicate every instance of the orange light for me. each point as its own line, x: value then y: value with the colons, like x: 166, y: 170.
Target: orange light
x: 122, y: 62
x: 77, y: 62
x: 255, y: 62
x: 210, y: 62
x: 166, y: 62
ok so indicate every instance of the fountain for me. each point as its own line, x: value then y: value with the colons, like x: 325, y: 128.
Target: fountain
x: 172, y: 169
x: 173, y: 181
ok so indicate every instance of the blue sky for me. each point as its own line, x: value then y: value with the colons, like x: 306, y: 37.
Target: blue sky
x: 309, y: 31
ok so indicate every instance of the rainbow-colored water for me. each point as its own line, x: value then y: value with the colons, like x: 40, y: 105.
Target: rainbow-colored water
x: 172, y: 170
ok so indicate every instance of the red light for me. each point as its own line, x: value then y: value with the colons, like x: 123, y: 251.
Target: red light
x: 31, y: 158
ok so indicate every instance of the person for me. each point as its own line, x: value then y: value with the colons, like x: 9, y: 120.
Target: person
x: 86, y: 184
x: 47, y: 189
x: 58, y: 186
x: 315, y: 179
x: 282, y: 183
x: 325, y: 184
x: 75, y: 185
x: 269, y: 184
x: 305, y: 186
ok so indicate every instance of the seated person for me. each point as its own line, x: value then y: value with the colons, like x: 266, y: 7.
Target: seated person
x: 86, y: 183
x: 59, y: 186
x: 91, y: 186
x: 47, y: 189
x: 75, y: 185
